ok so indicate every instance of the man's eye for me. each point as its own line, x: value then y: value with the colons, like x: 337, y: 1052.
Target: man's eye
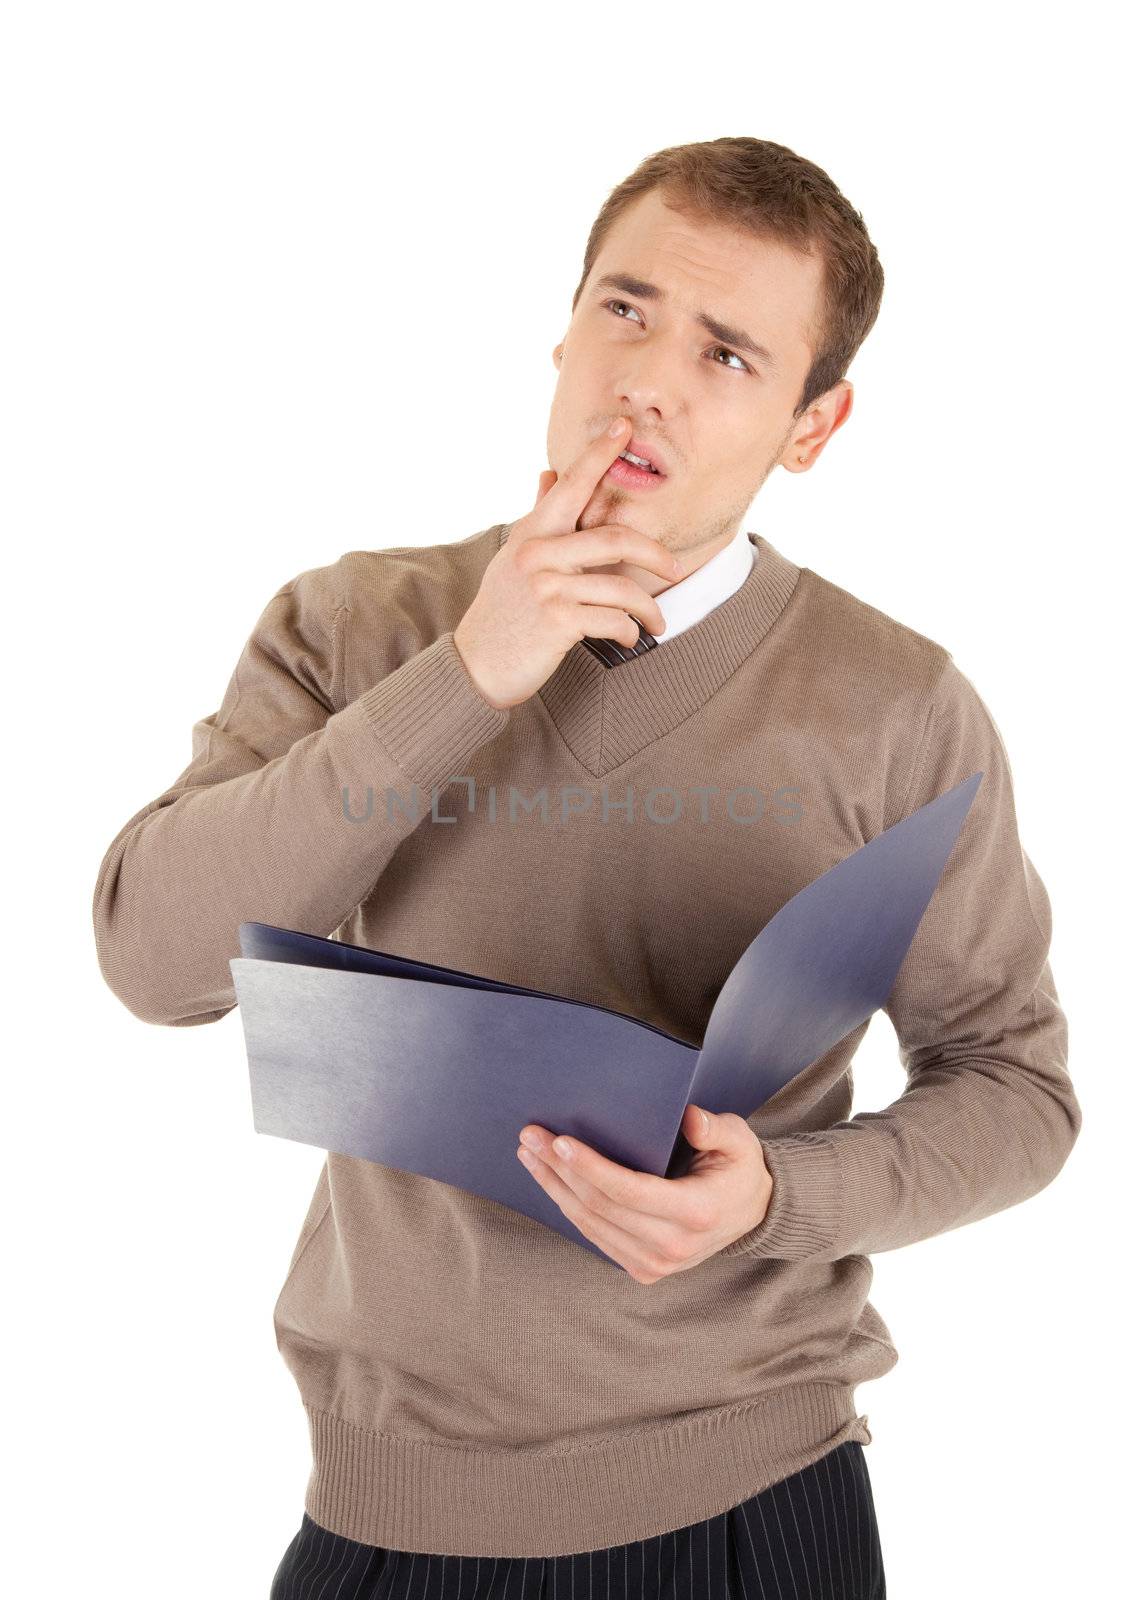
x: 742, y: 366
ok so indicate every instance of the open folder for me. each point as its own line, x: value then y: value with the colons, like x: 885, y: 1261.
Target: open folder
x: 436, y: 1071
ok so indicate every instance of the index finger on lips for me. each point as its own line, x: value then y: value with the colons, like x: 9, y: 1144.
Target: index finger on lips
x: 577, y: 484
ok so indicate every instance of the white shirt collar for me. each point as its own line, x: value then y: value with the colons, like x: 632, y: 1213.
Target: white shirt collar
x: 689, y: 600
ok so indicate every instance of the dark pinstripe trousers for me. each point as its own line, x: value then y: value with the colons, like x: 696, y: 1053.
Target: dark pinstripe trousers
x: 812, y: 1536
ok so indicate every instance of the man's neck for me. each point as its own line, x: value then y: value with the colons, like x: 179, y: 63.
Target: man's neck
x: 692, y: 559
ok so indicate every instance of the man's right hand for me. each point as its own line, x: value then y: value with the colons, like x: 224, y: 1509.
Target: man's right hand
x: 536, y: 599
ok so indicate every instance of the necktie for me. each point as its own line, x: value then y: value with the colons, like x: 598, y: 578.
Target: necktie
x: 613, y: 654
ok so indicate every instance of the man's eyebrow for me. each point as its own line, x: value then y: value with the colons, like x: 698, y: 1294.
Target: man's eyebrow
x: 642, y: 290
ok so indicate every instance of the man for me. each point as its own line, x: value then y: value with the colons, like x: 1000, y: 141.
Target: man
x: 478, y: 1388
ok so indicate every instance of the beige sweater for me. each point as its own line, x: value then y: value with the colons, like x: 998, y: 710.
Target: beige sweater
x: 475, y: 1383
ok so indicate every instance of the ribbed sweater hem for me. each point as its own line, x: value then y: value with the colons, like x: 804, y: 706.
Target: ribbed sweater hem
x: 453, y: 1499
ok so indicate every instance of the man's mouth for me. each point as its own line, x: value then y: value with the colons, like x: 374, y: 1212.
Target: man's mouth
x: 643, y: 452
x: 632, y: 476
x: 638, y: 466
x: 637, y: 461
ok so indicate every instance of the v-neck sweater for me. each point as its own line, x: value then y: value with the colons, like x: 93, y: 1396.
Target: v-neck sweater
x: 606, y: 715
x: 476, y: 1383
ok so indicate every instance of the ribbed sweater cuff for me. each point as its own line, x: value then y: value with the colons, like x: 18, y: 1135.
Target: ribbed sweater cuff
x: 804, y: 1206
x: 429, y: 714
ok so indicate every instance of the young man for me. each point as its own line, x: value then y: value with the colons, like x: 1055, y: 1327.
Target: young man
x: 478, y: 1388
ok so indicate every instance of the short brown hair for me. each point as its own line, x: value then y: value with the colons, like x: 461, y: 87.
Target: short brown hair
x: 769, y: 191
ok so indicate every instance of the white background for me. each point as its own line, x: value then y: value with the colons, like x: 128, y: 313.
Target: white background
x: 284, y: 281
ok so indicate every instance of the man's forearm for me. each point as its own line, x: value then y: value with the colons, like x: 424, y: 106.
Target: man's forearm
x: 966, y: 1139
x: 240, y: 839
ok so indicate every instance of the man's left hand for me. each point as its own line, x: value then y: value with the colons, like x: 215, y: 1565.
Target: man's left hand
x: 654, y: 1226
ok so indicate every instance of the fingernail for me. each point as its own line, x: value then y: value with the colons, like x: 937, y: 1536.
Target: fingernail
x: 563, y: 1148
x: 617, y: 428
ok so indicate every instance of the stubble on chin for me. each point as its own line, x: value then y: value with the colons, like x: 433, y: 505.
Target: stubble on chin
x: 602, y: 509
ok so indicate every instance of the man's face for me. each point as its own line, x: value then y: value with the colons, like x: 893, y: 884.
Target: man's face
x: 718, y: 416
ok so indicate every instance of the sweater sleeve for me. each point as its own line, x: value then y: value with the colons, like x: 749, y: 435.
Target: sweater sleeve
x: 258, y: 827
x: 989, y: 1114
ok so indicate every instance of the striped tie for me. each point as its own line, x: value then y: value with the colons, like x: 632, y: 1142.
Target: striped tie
x: 612, y: 654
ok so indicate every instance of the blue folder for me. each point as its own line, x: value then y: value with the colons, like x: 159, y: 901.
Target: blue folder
x: 435, y: 1071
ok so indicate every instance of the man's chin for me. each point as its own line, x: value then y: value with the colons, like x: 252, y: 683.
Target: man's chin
x: 604, y: 507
